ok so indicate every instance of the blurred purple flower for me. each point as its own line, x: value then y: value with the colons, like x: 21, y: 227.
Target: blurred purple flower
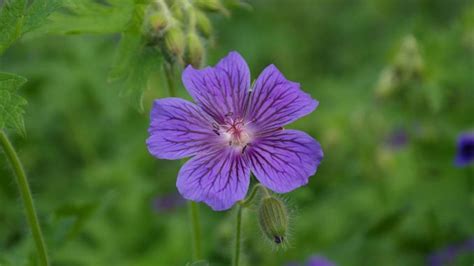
x: 315, y: 260
x: 448, y: 254
x: 234, y: 129
x: 319, y: 261
x: 397, y: 139
x: 167, y: 203
x: 465, y: 149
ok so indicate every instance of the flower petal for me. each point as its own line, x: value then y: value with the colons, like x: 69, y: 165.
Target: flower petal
x: 221, y: 90
x: 275, y: 101
x: 284, y: 160
x: 179, y: 129
x: 219, y: 179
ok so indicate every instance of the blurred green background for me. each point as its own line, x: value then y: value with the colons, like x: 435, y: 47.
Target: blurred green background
x: 395, y: 82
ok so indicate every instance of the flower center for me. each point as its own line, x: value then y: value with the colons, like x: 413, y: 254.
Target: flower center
x: 235, y: 133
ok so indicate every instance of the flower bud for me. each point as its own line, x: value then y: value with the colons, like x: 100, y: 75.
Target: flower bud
x: 273, y: 219
x: 174, y: 41
x: 195, y: 49
x: 209, y: 5
x: 203, y: 24
x: 157, y: 21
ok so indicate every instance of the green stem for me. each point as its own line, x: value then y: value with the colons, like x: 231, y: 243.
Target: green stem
x: 192, y: 206
x: 26, y: 197
x: 170, y: 79
x: 243, y: 204
x: 235, y: 261
x: 196, y: 228
x: 246, y: 202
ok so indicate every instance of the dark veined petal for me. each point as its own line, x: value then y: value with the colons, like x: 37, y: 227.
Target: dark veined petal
x: 284, y: 160
x: 179, y: 129
x: 221, y: 90
x: 275, y: 101
x: 219, y: 179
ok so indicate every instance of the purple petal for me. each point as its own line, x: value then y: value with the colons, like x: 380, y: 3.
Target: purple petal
x: 319, y: 261
x: 219, y: 179
x: 179, y: 129
x: 284, y: 160
x: 275, y: 101
x: 465, y: 149
x: 221, y: 90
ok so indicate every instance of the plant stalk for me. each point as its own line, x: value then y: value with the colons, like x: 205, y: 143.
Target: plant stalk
x: 238, y: 226
x: 196, y: 229
x: 192, y: 206
x: 26, y: 197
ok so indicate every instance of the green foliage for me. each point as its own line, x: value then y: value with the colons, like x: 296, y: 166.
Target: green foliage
x: 89, y: 16
x: 135, y: 60
x: 38, y: 13
x: 11, y: 22
x: 11, y: 104
x: 369, y: 204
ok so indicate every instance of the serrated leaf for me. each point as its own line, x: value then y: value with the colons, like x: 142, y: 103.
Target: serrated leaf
x: 11, y: 104
x: 134, y: 61
x: 11, y: 22
x: 134, y: 64
x: 89, y: 16
x: 38, y: 12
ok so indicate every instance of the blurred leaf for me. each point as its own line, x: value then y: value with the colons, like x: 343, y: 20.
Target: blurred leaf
x: 72, y: 218
x: 198, y: 263
x: 11, y: 22
x: 11, y: 105
x: 135, y: 61
x: 38, y: 12
x: 89, y: 16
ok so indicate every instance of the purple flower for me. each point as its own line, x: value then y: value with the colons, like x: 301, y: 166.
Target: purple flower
x: 319, y: 261
x: 448, y: 254
x: 167, y: 203
x: 234, y: 129
x: 397, y: 138
x: 465, y: 149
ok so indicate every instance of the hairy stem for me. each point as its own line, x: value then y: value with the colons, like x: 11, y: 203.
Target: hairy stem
x: 196, y: 228
x: 25, y: 193
x: 238, y: 226
x: 170, y: 79
x: 243, y: 204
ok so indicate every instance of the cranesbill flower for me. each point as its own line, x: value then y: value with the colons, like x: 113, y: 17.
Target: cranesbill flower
x: 319, y: 261
x: 234, y: 129
x: 465, y: 149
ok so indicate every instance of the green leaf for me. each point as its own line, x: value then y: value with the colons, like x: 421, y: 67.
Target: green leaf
x: 11, y: 105
x: 38, y: 12
x: 89, y: 16
x: 11, y: 22
x: 135, y: 61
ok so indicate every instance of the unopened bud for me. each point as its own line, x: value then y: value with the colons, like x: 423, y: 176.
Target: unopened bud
x: 157, y: 21
x: 209, y: 5
x: 203, y: 24
x: 174, y: 41
x: 195, y: 49
x: 273, y: 219
x: 387, y: 83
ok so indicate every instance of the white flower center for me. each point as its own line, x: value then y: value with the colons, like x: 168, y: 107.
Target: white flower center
x: 235, y: 133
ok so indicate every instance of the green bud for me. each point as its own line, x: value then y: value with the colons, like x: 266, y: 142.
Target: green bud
x: 177, y: 12
x: 195, y: 49
x: 174, y: 41
x: 157, y: 21
x: 408, y: 59
x: 387, y: 83
x: 203, y: 24
x: 209, y: 5
x: 273, y: 219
